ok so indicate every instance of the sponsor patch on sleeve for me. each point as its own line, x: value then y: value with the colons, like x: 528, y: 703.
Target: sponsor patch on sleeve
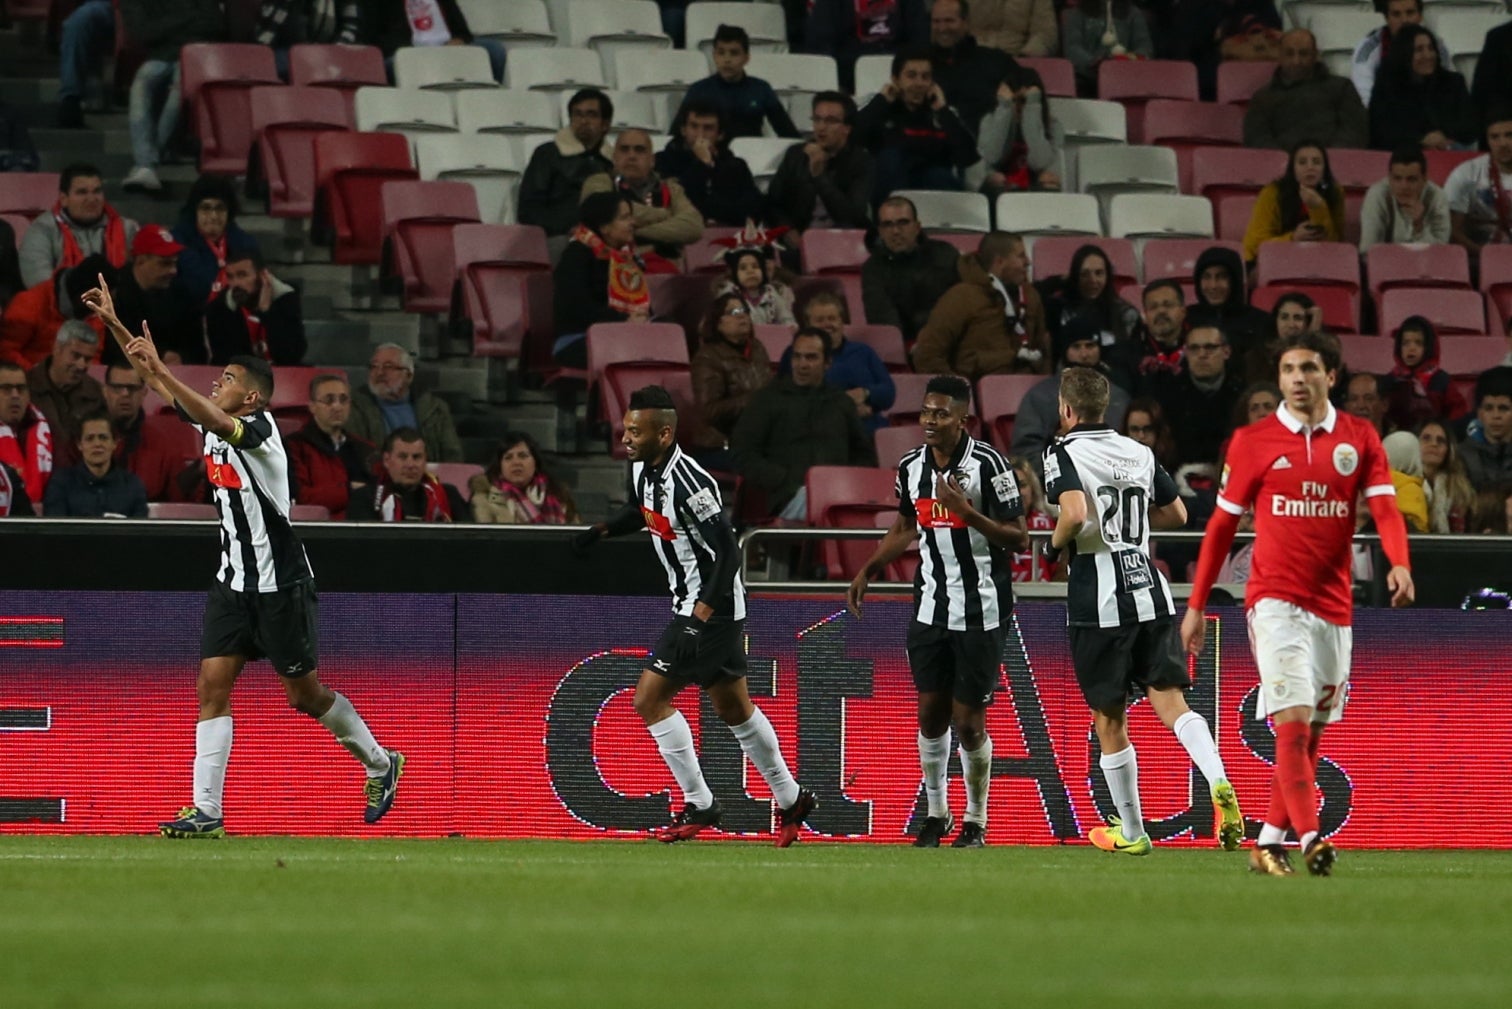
x: 1052, y: 466
x: 703, y: 504
x: 1005, y: 486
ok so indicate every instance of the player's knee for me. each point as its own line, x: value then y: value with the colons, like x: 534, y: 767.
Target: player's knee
x: 969, y: 735
x: 650, y: 707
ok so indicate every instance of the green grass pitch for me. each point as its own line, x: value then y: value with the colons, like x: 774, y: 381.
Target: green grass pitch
x: 116, y: 923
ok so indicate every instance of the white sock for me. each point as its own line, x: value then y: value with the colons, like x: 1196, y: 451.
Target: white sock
x: 675, y: 741
x: 977, y: 764
x: 1271, y: 835
x: 1306, y: 839
x: 352, y: 732
x: 759, y: 741
x: 1192, y: 729
x: 212, y: 748
x: 934, y: 757
x: 1121, y: 769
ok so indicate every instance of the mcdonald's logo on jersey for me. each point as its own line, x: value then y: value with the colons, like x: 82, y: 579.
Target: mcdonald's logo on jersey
x: 222, y: 474
x: 934, y: 515
x: 658, y: 524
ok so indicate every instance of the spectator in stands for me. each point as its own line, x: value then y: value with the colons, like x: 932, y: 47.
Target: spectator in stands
x: 552, y: 185
x: 1480, y: 211
x: 329, y: 464
x: 256, y: 314
x: 1199, y: 399
x: 795, y: 422
x: 1294, y: 313
x: 1086, y: 292
x: 1491, y: 88
x: 1020, y: 143
x: 745, y: 102
x: 1419, y: 100
x: 1417, y: 389
x: 907, y: 272
x: 88, y: 34
x: 992, y: 322
x: 826, y: 181
x: 916, y: 138
x: 1145, y: 422
x: 517, y: 488
x: 208, y: 231
x: 10, y: 266
x: 1404, y: 207
x: 665, y: 219
x: 26, y: 440
x: 390, y: 402
x: 17, y: 151
x: 1037, y: 518
x: 402, y: 490
x: 599, y: 277
x: 1018, y: 27
x: 728, y: 367
x: 95, y: 487
x: 848, y: 30
x: 1487, y: 446
x: 1097, y: 30
x: 969, y: 73
x: 394, y: 24
x: 1362, y: 397
x: 1164, y: 329
x: 1451, y: 497
x: 1304, y: 100
x: 61, y: 386
x: 145, y: 295
x: 1365, y: 65
x: 144, y: 448
x: 719, y: 184
x: 1219, y: 279
x: 853, y: 366
x: 1078, y: 343
x: 285, y: 23
x: 1258, y: 401
x: 80, y: 224
x: 1211, y: 32
x: 14, y: 501
x: 33, y: 317
x: 1303, y: 205
x: 750, y: 277
x: 1405, y: 458
x: 161, y: 30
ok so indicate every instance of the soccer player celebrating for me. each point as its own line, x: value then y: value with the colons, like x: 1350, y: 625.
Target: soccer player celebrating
x: 263, y: 600
x: 677, y: 502
x: 1302, y: 468
x: 1118, y: 605
x: 961, y: 496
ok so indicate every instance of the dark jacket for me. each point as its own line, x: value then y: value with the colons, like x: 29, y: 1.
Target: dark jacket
x: 552, y: 185
x: 17, y: 151
x: 746, y: 103
x: 197, y: 265
x: 1492, y: 86
x: 1281, y: 114
x: 177, y: 325
x: 968, y: 333
x: 323, y: 473
x: 60, y: 407
x: 926, y: 136
x: 1200, y: 420
x: 844, y: 186
x: 436, y: 424
x: 1488, y: 466
x: 13, y: 498
x: 1403, y: 112
x: 387, y: 25
x: 900, y: 289
x: 580, y: 290
x: 1247, y: 327
x: 786, y: 428
x: 831, y: 30
x: 969, y: 74
x: 162, y: 29
x: 724, y: 193
x: 363, y: 505
x: 724, y: 379
x: 76, y: 492
x: 855, y: 365
x: 283, y: 328
x: 10, y: 266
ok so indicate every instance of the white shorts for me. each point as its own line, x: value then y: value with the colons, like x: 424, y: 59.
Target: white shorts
x: 1303, y: 660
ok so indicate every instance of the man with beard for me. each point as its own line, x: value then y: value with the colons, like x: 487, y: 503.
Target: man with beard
x: 390, y: 402
x: 256, y: 314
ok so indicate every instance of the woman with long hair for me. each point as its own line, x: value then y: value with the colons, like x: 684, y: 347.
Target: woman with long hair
x: 1304, y: 205
x: 728, y: 367
x: 1417, y: 100
x: 1146, y: 423
x: 517, y: 489
x: 1451, y: 497
x: 599, y: 278
x: 1087, y: 290
x: 1019, y: 141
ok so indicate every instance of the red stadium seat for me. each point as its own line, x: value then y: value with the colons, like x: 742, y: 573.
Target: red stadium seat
x: 418, y: 218
x: 29, y: 194
x: 620, y: 380
x: 18, y: 225
x: 893, y: 443
x: 1332, y: 263
x: 342, y: 68
x: 1451, y: 310
x: 1441, y: 163
x: 1238, y: 80
x: 291, y: 389
x: 1367, y: 353
x: 1339, y: 305
x: 1496, y: 280
x: 182, y: 511
x: 910, y: 400
x: 1468, y: 356
x: 1232, y: 215
x: 1000, y: 397
x: 776, y: 338
x: 350, y: 171
x: 1388, y: 265
x: 614, y: 343
x: 855, y: 490
x: 503, y: 290
x: 1057, y: 74
x: 965, y: 241
x: 456, y: 474
x: 1135, y: 82
x: 309, y: 513
x: 1219, y: 172
x: 887, y: 341
x: 1358, y: 170
x: 1186, y: 126
x: 217, y: 82
x: 1177, y: 257
x: 835, y: 250
x: 285, y: 121
x: 1053, y: 255
x: 704, y: 255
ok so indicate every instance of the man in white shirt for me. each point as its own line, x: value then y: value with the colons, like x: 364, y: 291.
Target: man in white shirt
x: 1480, y: 190
x: 1366, y: 61
x: 1404, y: 208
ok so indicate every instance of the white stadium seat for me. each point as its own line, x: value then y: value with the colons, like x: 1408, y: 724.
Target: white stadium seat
x: 412, y: 113
x: 942, y: 211
x: 761, y: 155
x: 1142, y: 216
x: 507, y: 110
x: 443, y: 68
x: 489, y: 163
x: 612, y: 27
x: 1105, y: 170
x: 519, y: 23
x: 1036, y: 214
x: 556, y: 69
x: 765, y: 23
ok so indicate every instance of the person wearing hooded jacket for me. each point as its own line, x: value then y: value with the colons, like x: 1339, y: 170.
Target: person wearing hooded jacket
x: 1218, y: 277
x: 1417, y: 389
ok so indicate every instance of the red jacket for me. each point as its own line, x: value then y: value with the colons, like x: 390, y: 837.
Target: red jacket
x: 158, y: 448
x: 30, y: 323
x: 29, y: 451
x: 323, y: 474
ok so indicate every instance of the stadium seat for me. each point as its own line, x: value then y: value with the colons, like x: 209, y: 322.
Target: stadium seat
x: 411, y: 114
x: 18, y: 225
x: 1388, y: 265
x: 1156, y: 215
x: 639, y: 110
x: 555, y: 69
x: 964, y: 241
x: 1442, y: 163
x: 706, y: 255
x: 620, y: 380
x: 291, y: 390
x: 776, y: 338
x: 856, y: 489
x: 764, y: 23
x: 942, y: 211
x: 614, y: 26
x: 635, y: 343
x: 343, y: 68
x: 506, y: 110
x: 486, y: 162
x: 503, y: 291
x: 182, y: 511
x: 1187, y: 126
x: 1056, y: 72
x: 1000, y: 398
x: 456, y: 474
x: 1338, y: 31
x: 1219, y: 172
x: 1496, y: 279
x: 1367, y: 353
x: 285, y: 121
x: 1463, y: 32
x: 1106, y: 170
x: 350, y: 170
x: 887, y: 341
x: 1086, y: 121
x: 1468, y: 356
x: 1176, y: 258
x: 1453, y: 310
x: 833, y: 250
x: 217, y: 79
x: 417, y: 219
x: 872, y: 75
x: 1038, y: 214
x: 1338, y: 304
x: 893, y: 443
x: 762, y: 155
x: 1053, y: 255
x: 672, y: 71
x: 1132, y: 83
x: 1357, y: 170
x: 1234, y: 213
x: 1238, y: 80
x: 309, y: 513
x: 796, y: 77
x: 910, y: 401
x: 443, y: 68
x: 518, y: 23
x: 1333, y: 263
x: 29, y: 194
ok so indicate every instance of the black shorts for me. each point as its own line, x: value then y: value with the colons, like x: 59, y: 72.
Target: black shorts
x: 282, y: 626
x: 721, y: 653
x: 1112, y: 663
x: 967, y: 664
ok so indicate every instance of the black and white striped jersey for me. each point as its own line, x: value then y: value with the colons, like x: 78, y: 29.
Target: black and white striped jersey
x: 680, y: 504
x: 1112, y: 582
x: 964, y: 582
x: 249, y: 481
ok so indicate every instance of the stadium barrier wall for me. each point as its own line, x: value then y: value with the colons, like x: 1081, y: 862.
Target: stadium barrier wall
x: 515, y: 713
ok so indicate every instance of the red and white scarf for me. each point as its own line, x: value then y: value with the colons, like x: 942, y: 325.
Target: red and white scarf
x: 218, y: 249
x: 535, y: 501
x: 115, y: 238
x: 628, y: 291
x: 29, y: 451
x: 391, y: 509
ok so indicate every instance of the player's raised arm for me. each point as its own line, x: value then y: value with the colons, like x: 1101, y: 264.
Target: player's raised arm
x: 897, y: 539
x: 141, y: 351
x: 102, y: 304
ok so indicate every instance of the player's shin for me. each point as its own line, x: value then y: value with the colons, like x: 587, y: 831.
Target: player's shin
x: 759, y: 741
x: 977, y: 765
x: 212, y: 749
x: 1195, y: 736
x: 1121, y: 770
x: 934, y: 758
x: 1277, y: 820
x: 1295, y: 773
x: 674, y: 738
x: 353, y: 734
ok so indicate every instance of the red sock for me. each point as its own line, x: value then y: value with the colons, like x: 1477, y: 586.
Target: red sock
x: 1276, y: 815
x: 1314, y: 744
x: 1294, y: 773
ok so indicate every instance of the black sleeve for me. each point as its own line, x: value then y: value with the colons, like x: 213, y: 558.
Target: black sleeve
x: 704, y: 510
x: 1060, y: 473
x: 1001, y: 500
x: 360, y: 507
x: 252, y: 431
x: 20, y: 505
x: 901, y: 492
x: 1165, y: 487
x: 460, y: 512
x: 456, y: 22
x: 10, y: 266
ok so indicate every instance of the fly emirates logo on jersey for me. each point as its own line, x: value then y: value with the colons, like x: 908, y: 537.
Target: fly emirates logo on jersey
x: 1314, y: 503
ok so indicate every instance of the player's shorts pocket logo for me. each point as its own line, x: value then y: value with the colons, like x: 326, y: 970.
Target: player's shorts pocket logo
x: 1345, y: 458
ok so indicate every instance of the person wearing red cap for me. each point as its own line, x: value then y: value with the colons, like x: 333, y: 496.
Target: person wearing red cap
x: 144, y: 293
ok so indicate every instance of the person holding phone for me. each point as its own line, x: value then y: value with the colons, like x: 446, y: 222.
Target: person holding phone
x: 1304, y: 205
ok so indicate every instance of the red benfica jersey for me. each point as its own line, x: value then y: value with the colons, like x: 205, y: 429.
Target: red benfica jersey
x: 1304, y: 484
